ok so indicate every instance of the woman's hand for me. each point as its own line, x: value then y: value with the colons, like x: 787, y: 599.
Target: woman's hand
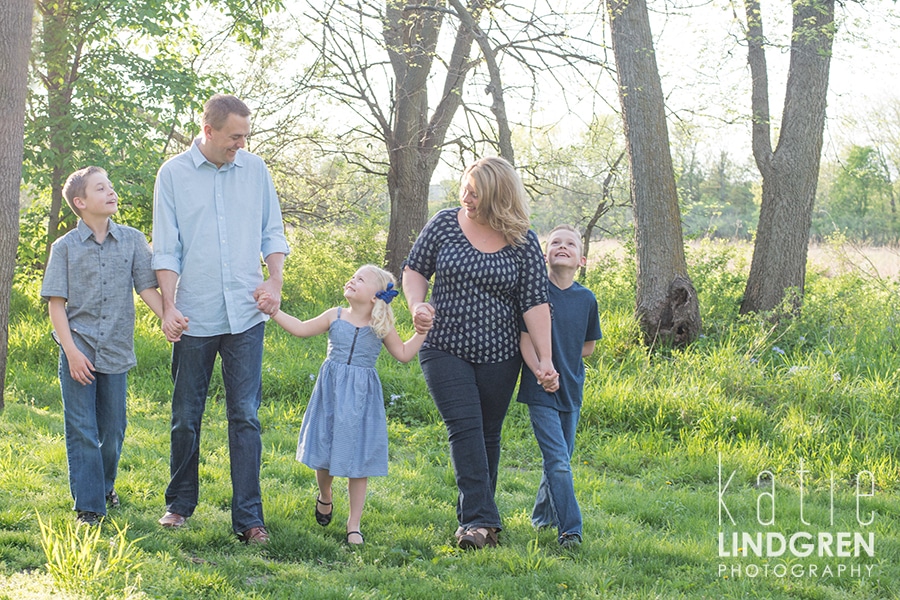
x: 423, y: 317
x: 547, y: 376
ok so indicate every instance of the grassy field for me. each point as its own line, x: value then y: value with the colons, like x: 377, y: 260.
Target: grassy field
x: 777, y: 432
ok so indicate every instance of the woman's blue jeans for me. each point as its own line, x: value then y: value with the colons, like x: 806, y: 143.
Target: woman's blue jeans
x: 94, y: 417
x: 472, y: 400
x: 193, y: 359
x: 555, y: 504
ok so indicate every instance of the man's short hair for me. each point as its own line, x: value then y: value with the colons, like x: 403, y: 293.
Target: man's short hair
x: 76, y: 186
x: 217, y: 109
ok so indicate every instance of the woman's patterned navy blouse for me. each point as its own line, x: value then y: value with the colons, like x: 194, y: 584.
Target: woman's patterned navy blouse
x: 478, y: 297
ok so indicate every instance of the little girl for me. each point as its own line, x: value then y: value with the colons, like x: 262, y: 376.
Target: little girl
x: 344, y: 430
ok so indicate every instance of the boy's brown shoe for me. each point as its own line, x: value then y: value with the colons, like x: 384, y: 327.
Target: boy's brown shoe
x: 172, y: 520
x: 255, y: 535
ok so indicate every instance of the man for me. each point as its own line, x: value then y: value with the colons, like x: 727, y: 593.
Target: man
x: 215, y: 212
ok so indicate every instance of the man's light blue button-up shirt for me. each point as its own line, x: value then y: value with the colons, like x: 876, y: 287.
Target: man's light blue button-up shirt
x: 211, y: 226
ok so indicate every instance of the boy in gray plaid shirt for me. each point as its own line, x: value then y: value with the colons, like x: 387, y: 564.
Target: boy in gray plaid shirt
x: 88, y: 284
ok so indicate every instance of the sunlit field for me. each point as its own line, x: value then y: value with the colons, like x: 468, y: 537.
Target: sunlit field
x: 760, y: 462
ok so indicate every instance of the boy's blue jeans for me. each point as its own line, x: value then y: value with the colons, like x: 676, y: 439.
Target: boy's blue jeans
x: 473, y: 400
x: 556, y: 504
x: 193, y: 359
x: 94, y: 417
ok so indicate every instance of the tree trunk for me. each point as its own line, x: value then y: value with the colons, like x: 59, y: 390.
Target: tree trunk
x: 15, y: 45
x: 667, y: 307
x: 791, y: 172
x: 62, y: 59
x: 414, y: 142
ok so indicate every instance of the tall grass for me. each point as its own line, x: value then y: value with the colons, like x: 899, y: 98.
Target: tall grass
x: 659, y: 433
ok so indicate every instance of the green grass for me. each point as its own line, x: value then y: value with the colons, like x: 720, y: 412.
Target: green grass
x: 821, y: 389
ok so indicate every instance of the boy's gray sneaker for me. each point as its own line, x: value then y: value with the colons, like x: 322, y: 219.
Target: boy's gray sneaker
x: 569, y: 540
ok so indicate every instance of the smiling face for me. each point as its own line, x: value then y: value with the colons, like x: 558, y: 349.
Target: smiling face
x: 468, y: 198
x: 220, y: 146
x: 362, y: 286
x: 564, y: 249
x: 99, y: 199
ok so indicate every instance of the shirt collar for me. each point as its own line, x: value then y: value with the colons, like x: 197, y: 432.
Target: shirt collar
x: 199, y: 159
x: 85, y: 232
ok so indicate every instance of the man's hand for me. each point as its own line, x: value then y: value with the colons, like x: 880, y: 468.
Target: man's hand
x: 174, y: 324
x: 268, y: 296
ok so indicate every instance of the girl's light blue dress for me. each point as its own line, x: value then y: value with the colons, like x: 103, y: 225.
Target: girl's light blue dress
x: 344, y: 429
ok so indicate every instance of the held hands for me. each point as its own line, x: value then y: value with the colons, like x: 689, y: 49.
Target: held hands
x: 547, y: 376
x: 265, y: 302
x: 268, y: 296
x: 423, y: 317
x: 174, y: 324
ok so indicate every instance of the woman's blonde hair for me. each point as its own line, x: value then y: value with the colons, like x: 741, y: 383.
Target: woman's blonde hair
x: 382, y: 313
x: 502, y: 200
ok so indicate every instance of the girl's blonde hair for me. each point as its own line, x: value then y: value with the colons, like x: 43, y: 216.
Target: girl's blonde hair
x: 502, y: 200
x: 382, y: 313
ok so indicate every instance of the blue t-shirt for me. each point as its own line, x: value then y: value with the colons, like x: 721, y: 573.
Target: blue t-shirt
x: 478, y: 296
x: 575, y: 321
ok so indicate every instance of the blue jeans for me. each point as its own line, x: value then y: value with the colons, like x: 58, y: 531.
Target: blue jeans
x: 472, y: 400
x: 94, y: 417
x: 556, y: 504
x: 193, y: 359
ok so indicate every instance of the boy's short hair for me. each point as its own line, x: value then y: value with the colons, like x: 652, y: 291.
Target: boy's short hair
x: 567, y: 227
x: 76, y: 186
x: 217, y: 109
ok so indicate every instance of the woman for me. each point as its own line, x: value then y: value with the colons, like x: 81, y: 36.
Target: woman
x: 488, y: 273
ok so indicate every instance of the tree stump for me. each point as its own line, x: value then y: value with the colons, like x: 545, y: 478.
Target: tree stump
x: 679, y: 322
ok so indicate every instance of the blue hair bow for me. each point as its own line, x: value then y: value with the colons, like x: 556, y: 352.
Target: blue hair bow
x: 388, y: 294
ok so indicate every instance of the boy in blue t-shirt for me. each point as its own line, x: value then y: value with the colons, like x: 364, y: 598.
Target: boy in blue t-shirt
x: 555, y: 406
x: 88, y: 285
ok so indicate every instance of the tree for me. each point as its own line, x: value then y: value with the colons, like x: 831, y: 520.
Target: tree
x: 859, y: 199
x: 790, y: 172
x: 15, y: 41
x: 114, y: 85
x: 382, y: 58
x: 667, y: 307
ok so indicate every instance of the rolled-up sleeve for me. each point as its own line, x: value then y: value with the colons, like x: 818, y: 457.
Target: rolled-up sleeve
x: 167, y: 248
x: 273, y: 239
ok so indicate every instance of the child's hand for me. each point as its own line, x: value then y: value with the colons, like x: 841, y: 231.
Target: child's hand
x: 266, y: 302
x: 80, y: 368
x: 423, y: 317
x: 548, y: 379
x: 551, y: 385
x: 173, y: 325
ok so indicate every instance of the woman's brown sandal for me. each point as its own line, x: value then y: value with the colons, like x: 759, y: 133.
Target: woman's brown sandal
x: 476, y: 539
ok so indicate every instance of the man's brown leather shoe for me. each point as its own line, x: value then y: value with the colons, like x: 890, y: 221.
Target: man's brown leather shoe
x: 172, y: 520
x: 255, y: 535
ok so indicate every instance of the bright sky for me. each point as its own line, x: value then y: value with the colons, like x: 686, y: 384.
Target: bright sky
x: 703, y: 64
x: 705, y: 77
